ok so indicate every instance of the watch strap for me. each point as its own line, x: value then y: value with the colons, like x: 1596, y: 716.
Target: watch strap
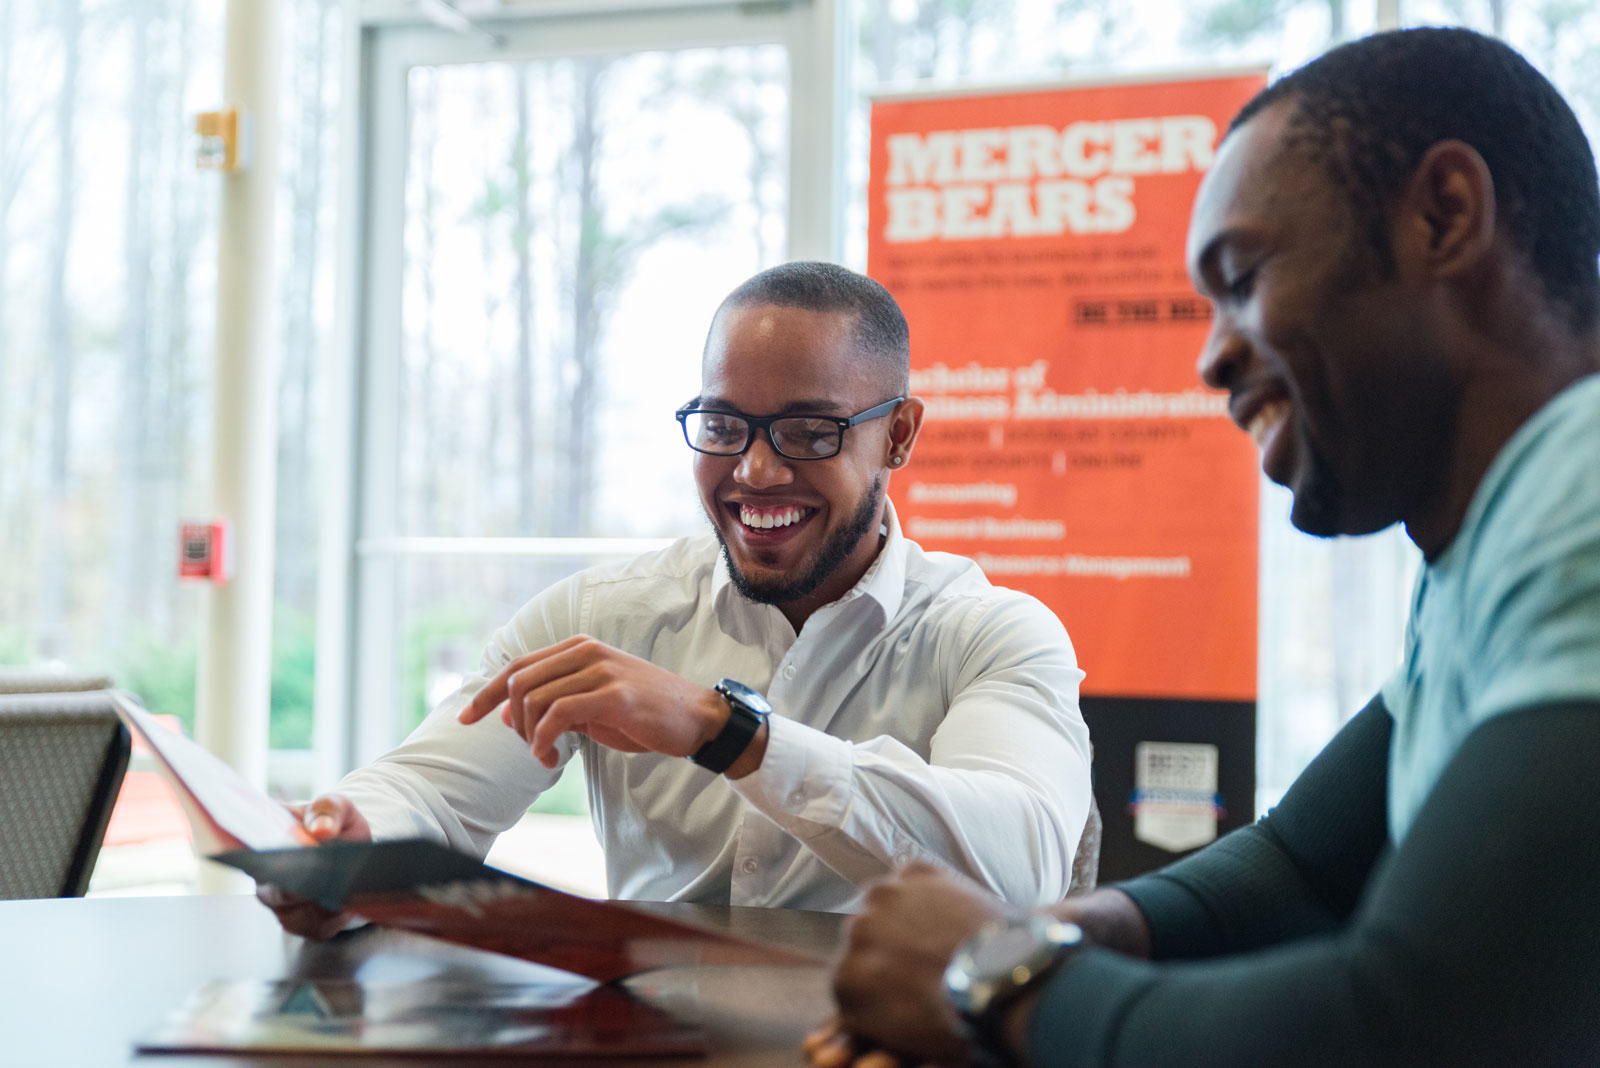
x: 744, y: 720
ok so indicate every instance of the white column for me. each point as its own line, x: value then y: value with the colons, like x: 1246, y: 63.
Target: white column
x: 819, y: 80
x: 236, y: 647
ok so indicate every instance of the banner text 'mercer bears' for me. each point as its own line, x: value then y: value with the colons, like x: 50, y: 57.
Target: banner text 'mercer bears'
x: 1024, y: 181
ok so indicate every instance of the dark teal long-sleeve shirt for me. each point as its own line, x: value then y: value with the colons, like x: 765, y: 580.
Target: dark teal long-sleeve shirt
x: 1303, y: 940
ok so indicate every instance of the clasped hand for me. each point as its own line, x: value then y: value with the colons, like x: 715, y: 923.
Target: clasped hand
x: 619, y: 700
x: 889, y: 984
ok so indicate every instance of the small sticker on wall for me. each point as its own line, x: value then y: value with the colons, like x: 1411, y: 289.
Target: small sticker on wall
x: 1175, y: 801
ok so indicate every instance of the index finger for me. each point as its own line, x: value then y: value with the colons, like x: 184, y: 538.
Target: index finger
x: 495, y: 692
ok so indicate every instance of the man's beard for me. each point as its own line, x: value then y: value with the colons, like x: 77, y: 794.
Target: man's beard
x: 834, y: 552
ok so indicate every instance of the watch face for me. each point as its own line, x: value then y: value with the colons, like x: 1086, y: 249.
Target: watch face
x: 1002, y: 959
x: 751, y: 699
x: 1002, y: 951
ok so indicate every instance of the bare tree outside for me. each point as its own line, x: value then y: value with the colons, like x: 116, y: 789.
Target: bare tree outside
x: 107, y: 255
x: 525, y: 393
x: 556, y: 209
x: 53, y: 599
x: 310, y: 98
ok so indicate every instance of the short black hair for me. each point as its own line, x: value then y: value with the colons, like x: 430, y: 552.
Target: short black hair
x: 879, y: 331
x: 1369, y: 110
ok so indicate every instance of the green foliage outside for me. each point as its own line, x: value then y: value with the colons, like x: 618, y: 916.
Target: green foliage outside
x: 446, y: 627
x: 162, y: 674
x: 13, y: 648
x: 294, y: 660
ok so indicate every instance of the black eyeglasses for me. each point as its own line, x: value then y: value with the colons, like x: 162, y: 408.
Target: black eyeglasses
x: 799, y: 437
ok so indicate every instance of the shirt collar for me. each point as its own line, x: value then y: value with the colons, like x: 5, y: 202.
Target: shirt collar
x: 884, y: 580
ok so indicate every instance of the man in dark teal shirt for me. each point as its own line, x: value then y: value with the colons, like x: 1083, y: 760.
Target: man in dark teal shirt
x: 1399, y: 244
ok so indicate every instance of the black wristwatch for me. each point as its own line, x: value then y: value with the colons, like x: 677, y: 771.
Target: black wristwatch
x: 747, y: 711
x: 995, y: 966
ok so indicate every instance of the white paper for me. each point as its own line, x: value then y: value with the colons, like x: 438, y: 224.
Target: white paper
x: 211, y: 792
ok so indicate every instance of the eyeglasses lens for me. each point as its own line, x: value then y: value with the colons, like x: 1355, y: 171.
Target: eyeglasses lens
x: 716, y: 433
x: 726, y: 435
x: 806, y: 439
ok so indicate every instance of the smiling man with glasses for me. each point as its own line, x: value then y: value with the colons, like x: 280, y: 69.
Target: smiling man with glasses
x: 846, y: 702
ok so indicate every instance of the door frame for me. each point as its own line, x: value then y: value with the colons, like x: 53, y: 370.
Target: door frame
x: 356, y: 665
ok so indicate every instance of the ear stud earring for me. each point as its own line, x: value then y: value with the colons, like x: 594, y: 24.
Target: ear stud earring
x: 896, y: 461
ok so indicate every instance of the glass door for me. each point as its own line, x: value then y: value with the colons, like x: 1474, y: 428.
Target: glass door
x: 550, y: 211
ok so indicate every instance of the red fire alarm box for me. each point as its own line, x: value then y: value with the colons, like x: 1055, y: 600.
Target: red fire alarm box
x: 204, y: 551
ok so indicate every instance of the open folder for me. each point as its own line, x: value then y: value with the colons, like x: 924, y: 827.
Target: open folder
x: 422, y: 886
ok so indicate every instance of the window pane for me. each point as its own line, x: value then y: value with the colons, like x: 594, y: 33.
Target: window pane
x: 308, y: 160
x: 107, y: 268
x: 108, y: 265
x: 571, y: 225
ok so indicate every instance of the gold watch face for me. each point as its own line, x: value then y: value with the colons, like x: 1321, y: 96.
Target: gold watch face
x: 1003, y: 958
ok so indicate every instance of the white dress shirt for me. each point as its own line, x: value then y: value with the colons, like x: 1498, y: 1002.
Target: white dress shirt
x: 925, y: 714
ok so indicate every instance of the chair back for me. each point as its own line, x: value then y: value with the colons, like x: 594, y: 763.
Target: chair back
x: 62, y: 758
x: 38, y: 680
x: 1086, y: 862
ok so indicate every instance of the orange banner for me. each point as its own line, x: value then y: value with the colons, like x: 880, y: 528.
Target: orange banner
x: 1035, y: 240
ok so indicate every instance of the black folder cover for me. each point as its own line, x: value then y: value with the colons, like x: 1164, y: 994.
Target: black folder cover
x: 334, y: 872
